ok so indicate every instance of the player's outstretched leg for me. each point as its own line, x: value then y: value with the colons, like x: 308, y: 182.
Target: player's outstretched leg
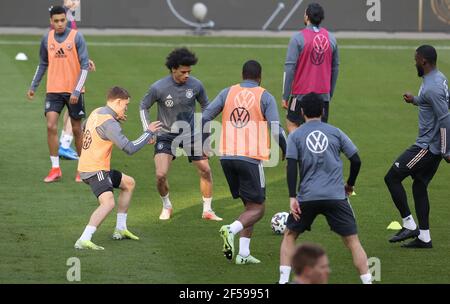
x: 106, y: 200
x: 206, y: 185
x: 126, y: 186
x: 286, y: 250
x: 359, y: 257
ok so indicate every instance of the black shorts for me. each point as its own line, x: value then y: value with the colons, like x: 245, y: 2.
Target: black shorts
x: 339, y: 215
x: 294, y: 113
x: 418, y: 163
x: 55, y: 102
x: 246, y: 180
x: 164, y: 145
x: 104, y: 181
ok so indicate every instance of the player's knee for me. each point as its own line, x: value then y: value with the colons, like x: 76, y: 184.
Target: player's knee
x: 130, y: 184
x: 391, y: 177
x: 205, y: 172
x: 419, y: 185
x: 108, y: 204
x: 52, y: 128
x: 290, y: 235
x: 161, y: 177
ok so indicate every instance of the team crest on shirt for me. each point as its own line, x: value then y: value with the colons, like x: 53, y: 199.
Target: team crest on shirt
x: 317, y: 142
x: 189, y: 93
x: 51, y: 47
x: 69, y: 46
x: 169, y: 101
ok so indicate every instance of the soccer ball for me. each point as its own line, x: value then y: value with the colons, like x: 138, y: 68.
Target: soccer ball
x: 278, y: 222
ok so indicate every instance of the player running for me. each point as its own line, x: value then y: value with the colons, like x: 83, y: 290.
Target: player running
x: 175, y: 96
x: 64, y: 53
x: 421, y: 160
x: 247, y: 110
x: 101, y: 132
x: 315, y: 147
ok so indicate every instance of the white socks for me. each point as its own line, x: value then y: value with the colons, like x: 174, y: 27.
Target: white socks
x: 207, y: 204
x: 236, y: 227
x: 285, y: 272
x: 65, y: 140
x: 121, y: 221
x: 244, y: 247
x: 55, y: 161
x: 408, y: 223
x: 366, y: 278
x: 424, y: 236
x: 166, y: 201
x: 88, y: 232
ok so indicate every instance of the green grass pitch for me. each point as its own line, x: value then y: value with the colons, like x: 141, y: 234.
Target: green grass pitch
x: 39, y: 223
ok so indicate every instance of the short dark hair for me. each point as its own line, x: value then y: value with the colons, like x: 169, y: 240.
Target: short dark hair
x: 315, y: 13
x: 117, y: 93
x: 305, y: 255
x: 251, y: 70
x: 180, y: 56
x: 312, y: 105
x: 428, y: 53
x: 56, y: 10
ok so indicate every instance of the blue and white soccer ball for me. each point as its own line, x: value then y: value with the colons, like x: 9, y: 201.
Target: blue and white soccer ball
x: 278, y: 222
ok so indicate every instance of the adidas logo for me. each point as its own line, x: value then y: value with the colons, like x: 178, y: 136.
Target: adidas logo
x: 169, y: 97
x: 60, y: 53
x: 397, y: 164
x: 81, y: 113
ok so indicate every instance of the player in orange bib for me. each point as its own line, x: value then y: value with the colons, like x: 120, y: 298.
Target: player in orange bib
x: 63, y: 52
x: 101, y: 132
x: 248, y: 110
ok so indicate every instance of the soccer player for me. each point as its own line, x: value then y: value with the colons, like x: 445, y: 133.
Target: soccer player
x: 64, y: 53
x: 310, y: 265
x: 101, y: 132
x: 421, y: 160
x: 65, y: 141
x: 312, y: 65
x: 175, y: 96
x: 247, y: 110
x: 315, y: 147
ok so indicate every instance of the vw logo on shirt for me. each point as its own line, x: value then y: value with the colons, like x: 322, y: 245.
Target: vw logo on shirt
x: 317, y: 142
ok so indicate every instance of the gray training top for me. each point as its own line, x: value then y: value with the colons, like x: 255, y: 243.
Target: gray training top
x: 83, y: 57
x: 294, y: 50
x: 176, y: 102
x: 111, y: 130
x: 317, y: 147
x: 268, y: 108
x: 434, y: 118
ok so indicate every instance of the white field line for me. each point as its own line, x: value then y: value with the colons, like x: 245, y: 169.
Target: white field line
x: 228, y: 46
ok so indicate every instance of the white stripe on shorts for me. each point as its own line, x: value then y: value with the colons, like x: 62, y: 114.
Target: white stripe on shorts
x: 262, y: 178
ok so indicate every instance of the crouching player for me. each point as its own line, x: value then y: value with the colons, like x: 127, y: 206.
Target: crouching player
x: 101, y: 131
